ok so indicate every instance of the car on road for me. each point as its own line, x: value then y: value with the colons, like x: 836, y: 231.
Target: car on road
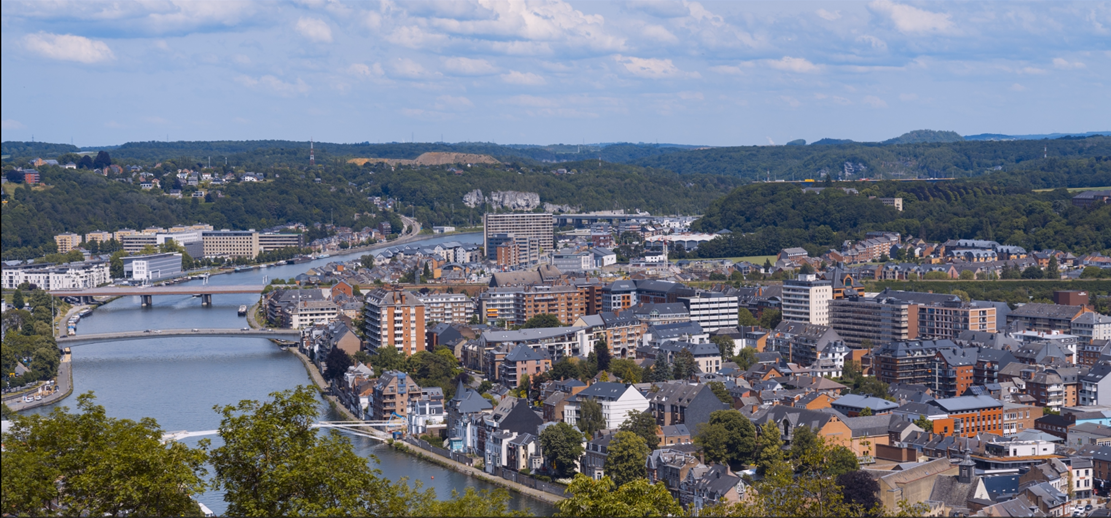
x: 157, y: 330
x: 246, y: 329
x: 196, y: 330
x: 147, y: 331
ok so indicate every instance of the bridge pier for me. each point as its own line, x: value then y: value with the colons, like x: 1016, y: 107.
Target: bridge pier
x: 148, y: 300
x: 206, y: 299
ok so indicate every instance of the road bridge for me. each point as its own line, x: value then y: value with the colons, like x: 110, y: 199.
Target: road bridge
x: 276, y: 334
x: 368, y: 429
x: 205, y: 291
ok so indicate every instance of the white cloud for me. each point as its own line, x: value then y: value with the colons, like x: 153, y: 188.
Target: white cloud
x: 791, y: 64
x: 1031, y: 71
x: 658, y: 33
x: 67, y: 47
x: 11, y: 124
x: 1065, y: 64
x: 534, y: 21
x: 791, y: 101
x: 448, y: 102
x: 1018, y: 88
x: 651, y: 68
x: 826, y: 15
x: 874, y: 42
x: 661, y: 8
x: 274, y: 85
x: 364, y: 70
x: 912, y: 20
x: 874, y: 101
x: 523, y: 78
x: 469, y: 67
x: 415, y: 37
x: 407, y: 68
x: 314, y: 29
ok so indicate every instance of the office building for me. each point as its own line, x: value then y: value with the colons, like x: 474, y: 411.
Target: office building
x: 394, y: 318
x: 230, y: 243
x: 270, y: 241
x: 807, y: 299
x: 524, y: 227
x: 152, y: 267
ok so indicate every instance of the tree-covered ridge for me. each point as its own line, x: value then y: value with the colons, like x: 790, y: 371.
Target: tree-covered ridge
x: 919, y: 160
x: 768, y: 217
x: 925, y: 136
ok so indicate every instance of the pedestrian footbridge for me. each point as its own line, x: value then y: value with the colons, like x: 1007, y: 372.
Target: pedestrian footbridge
x: 147, y: 334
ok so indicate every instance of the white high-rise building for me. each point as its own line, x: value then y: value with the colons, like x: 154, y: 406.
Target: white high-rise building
x: 807, y: 299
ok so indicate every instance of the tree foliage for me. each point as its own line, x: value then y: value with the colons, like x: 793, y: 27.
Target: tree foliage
x: 625, y: 460
x: 728, y: 437
x: 591, y: 498
x: 590, y: 417
x: 542, y: 320
x: 562, y: 447
x: 644, y: 425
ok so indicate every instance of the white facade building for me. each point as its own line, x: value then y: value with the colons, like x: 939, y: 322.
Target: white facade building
x: 152, y: 267
x: 86, y: 274
x: 577, y: 262
x: 616, y: 399
x: 450, y: 308
x: 807, y: 299
x: 713, y: 310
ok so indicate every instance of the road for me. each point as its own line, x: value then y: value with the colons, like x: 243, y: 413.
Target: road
x: 64, y: 388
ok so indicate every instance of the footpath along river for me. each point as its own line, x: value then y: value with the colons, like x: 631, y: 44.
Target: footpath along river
x: 177, y: 381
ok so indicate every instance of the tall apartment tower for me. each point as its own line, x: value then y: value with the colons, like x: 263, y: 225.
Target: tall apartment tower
x: 526, y: 229
x: 806, y: 299
x: 394, y: 318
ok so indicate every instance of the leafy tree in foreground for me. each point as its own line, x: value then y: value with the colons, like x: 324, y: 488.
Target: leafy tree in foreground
x: 110, y: 467
x: 590, y: 417
x: 727, y: 437
x: 860, y: 489
x: 770, y: 318
x: 590, y: 498
x: 644, y: 425
x: 625, y: 460
x: 746, y: 358
x: 273, y: 463
x: 769, y: 448
x: 562, y: 445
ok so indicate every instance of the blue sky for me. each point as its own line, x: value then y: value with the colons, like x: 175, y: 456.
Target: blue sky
x: 539, y: 72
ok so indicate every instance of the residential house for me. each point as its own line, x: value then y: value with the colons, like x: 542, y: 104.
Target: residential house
x: 683, y: 403
x: 616, y: 399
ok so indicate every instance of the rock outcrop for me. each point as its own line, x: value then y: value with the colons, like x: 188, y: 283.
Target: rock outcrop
x: 512, y: 200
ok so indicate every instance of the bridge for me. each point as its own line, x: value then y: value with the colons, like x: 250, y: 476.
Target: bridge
x: 368, y: 429
x: 205, y: 291
x: 276, y: 334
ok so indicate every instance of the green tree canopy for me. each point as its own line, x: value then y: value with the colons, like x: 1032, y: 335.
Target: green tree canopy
x: 562, y: 446
x: 728, y: 436
x: 590, y: 417
x: 725, y: 345
x: 625, y: 461
x: 593, y: 498
x: 542, y: 320
x: 644, y: 425
x: 745, y: 318
x: 769, y: 448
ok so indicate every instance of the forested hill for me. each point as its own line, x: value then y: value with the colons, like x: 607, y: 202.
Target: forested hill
x: 81, y: 201
x: 260, y: 153
x: 853, y: 161
x: 768, y: 217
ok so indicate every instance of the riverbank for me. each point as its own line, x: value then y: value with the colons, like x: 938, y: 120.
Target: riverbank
x: 63, y: 388
x: 419, y: 452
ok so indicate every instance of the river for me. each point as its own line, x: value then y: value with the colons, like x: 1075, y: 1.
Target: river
x: 179, y: 380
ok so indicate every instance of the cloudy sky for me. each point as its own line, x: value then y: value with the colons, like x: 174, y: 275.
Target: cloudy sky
x: 537, y: 71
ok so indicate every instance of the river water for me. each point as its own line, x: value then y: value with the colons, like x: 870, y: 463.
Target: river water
x: 179, y: 380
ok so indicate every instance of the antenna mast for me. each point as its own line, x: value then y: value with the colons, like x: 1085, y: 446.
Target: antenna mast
x: 312, y: 154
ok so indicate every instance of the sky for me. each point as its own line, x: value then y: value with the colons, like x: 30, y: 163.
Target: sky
x: 542, y: 72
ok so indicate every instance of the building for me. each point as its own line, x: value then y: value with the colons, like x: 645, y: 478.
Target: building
x: 230, y: 243
x: 449, y: 308
x: 807, y: 299
x: 273, y: 241
x: 969, y: 416
x: 893, y: 202
x: 1090, y: 326
x: 515, y: 305
x: 1044, y: 317
x: 711, y: 309
x: 910, y: 362
x: 1092, y: 198
x: 391, y: 396
x: 893, y: 316
x: 98, y: 236
x: 31, y: 177
x: 306, y: 313
x: 85, y: 274
x: 394, y: 318
x: 616, y: 400
x: 573, y: 262
x: 809, y: 345
x: 152, y: 267
x: 523, y: 361
x: 682, y: 403
x: 67, y: 242
x: 523, y: 227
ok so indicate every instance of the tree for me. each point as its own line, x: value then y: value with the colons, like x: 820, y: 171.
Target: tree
x: 102, y: 160
x: 15, y: 177
x: 590, y: 498
x: 746, y: 358
x: 770, y: 318
x: 769, y: 448
x: 721, y: 392
x: 115, y: 264
x: 967, y: 275
x: 627, y: 370
x: 924, y: 424
x: 273, y: 463
x: 866, y: 412
x: 685, y: 365
x: 17, y: 300
x: 565, y: 368
x: 806, y: 269
x: 602, y: 353
x: 727, y: 437
x: 963, y: 295
x: 805, y: 449
x: 1032, y: 272
x: 745, y: 318
x: 485, y: 502
x: 523, y: 386
x: 542, y: 320
x: 644, y: 425
x: 661, y: 370
x: 336, y: 364
x: 590, y: 417
x: 88, y: 464
x: 387, y: 358
x: 625, y: 460
x: 841, y: 460
x: 1052, y: 271
x: 725, y: 345
x: 861, y: 491
x: 86, y: 162
x: 562, y: 446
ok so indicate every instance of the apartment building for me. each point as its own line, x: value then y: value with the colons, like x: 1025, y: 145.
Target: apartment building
x: 307, y: 313
x: 230, y: 243
x: 394, y: 318
x: 67, y: 242
x: 969, y: 416
x: 810, y: 345
x: 85, y: 274
x: 99, y: 236
x: 906, y: 315
x: 392, y: 393
x: 523, y: 361
x: 622, y: 333
x: 124, y: 232
x: 524, y: 227
x: 515, y: 305
x: 1044, y: 317
x: 806, y: 299
x: 910, y: 362
x: 448, y: 308
x: 713, y: 310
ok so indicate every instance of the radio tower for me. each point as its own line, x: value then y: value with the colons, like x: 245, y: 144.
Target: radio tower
x: 312, y: 157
